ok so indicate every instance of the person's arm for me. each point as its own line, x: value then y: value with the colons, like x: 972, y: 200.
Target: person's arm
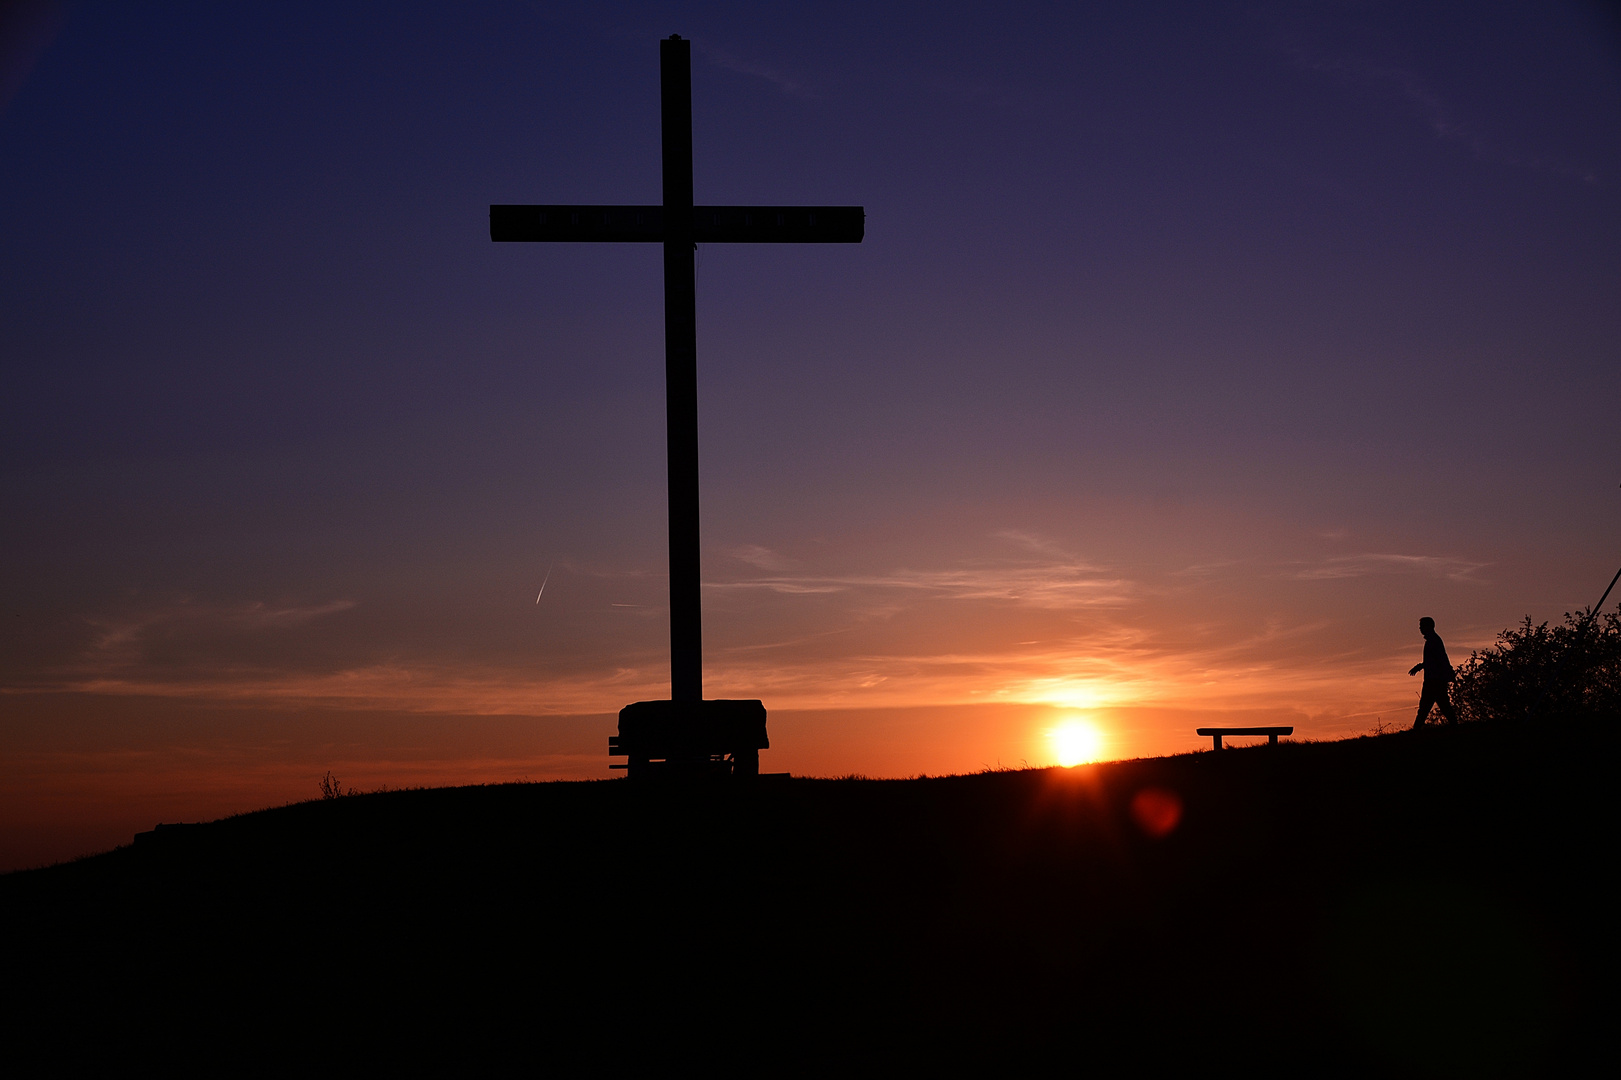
x: 1418, y: 667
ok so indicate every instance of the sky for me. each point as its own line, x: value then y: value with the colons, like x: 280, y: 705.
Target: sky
x: 1193, y: 352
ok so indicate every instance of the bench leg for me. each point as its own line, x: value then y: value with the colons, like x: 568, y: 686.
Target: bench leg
x: 1272, y: 740
x: 1218, y: 741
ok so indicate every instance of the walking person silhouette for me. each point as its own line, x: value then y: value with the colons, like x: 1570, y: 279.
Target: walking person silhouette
x: 1437, y: 671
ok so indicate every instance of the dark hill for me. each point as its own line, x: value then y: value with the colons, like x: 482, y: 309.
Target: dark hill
x: 1425, y: 901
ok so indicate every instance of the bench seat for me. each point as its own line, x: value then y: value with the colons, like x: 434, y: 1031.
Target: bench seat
x: 1271, y: 733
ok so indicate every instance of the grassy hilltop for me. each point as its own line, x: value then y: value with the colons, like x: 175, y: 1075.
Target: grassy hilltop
x: 1430, y: 901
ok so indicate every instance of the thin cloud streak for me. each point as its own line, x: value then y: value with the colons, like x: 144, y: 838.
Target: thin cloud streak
x: 122, y: 636
x: 1032, y: 587
x: 1058, y: 583
x: 421, y: 688
x: 762, y: 558
x: 1433, y: 111
x: 1351, y: 566
x: 789, y: 85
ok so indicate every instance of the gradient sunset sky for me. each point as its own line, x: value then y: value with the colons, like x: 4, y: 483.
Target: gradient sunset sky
x: 1193, y: 352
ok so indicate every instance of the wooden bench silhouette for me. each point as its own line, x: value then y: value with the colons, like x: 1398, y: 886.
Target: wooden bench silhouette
x: 1271, y: 733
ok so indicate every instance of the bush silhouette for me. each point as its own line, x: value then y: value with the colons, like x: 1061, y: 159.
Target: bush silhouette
x: 332, y: 787
x: 1569, y: 672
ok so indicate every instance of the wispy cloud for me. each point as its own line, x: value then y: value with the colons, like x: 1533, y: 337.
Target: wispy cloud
x: 1048, y: 583
x: 1350, y: 566
x: 791, y: 85
x: 762, y: 558
x: 1206, y: 569
x: 124, y: 635
x: 407, y: 687
x: 1431, y: 109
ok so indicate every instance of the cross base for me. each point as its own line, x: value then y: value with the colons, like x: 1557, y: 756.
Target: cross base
x: 720, y: 737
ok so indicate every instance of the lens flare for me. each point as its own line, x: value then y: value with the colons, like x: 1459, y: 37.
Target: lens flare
x: 1156, y: 811
x: 1075, y: 742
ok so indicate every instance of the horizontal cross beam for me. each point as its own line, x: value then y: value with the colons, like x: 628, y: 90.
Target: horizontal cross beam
x: 710, y: 224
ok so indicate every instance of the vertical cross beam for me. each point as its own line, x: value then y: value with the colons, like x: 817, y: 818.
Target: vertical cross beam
x: 681, y: 372
x: 685, y: 735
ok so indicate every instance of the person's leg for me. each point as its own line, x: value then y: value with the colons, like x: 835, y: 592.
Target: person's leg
x: 1425, y: 701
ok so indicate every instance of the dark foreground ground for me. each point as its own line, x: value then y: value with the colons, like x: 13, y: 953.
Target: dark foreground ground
x: 1422, y: 902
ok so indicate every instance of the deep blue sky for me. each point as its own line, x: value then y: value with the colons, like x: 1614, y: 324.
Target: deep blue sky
x: 1193, y: 352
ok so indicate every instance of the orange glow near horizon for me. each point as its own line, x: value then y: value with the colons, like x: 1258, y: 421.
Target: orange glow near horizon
x: 84, y: 772
x: 1075, y: 742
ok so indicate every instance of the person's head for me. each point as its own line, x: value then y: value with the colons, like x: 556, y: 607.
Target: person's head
x: 1426, y: 626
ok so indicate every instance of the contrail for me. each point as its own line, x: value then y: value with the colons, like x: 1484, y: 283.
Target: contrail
x: 543, y: 582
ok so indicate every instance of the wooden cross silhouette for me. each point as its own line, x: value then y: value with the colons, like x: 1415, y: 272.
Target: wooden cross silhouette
x: 686, y: 731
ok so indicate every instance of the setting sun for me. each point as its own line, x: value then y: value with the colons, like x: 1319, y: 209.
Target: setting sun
x: 1075, y: 742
